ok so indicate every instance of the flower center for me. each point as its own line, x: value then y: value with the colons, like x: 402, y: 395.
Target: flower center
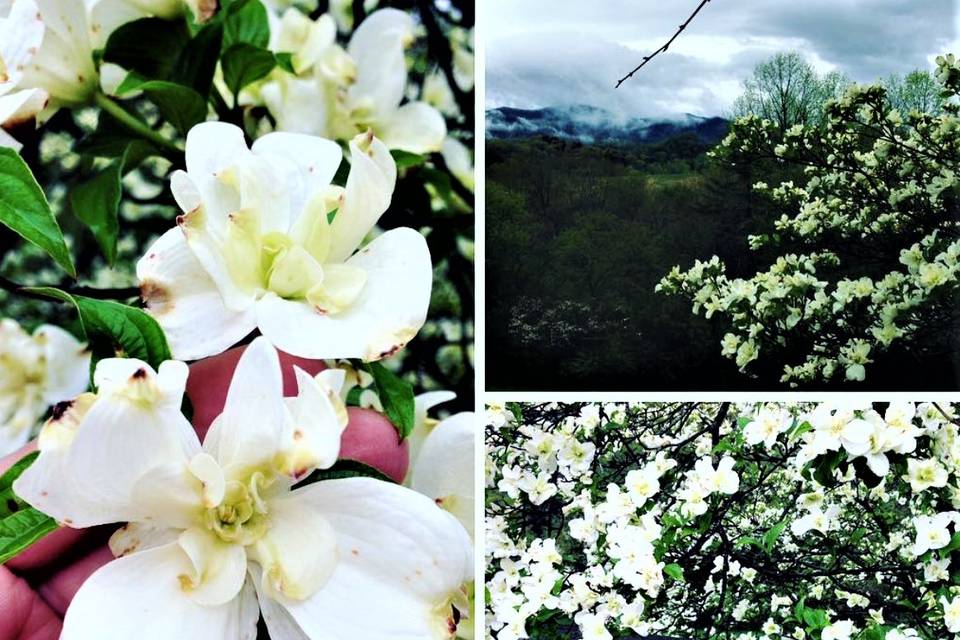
x: 241, y: 517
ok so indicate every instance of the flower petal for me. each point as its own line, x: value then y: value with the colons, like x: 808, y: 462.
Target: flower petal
x: 144, y: 599
x: 212, y: 149
x: 415, y: 127
x: 186, y: 302
x: 318, y: 422
x: 444, y: 469
x: 68, y: 364
x: 299, y: 551
x: 370, y: 184
x: 87, y: 477
x: 400, y: 559
x: 378, y: 46
x: 314, y: 162
x: 251, y: 427
x: 388, y: 313
x: 219, y: 568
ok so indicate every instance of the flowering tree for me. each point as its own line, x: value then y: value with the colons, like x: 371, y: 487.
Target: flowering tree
x: 832, y: 522
x: 867, y: 242
x: 267, y: 192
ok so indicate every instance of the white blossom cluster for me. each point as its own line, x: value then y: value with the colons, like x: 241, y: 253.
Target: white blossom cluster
x: 761, y: 521
x: 873, y: 177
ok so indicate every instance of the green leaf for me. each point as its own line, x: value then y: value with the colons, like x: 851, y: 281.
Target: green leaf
x: 675, y: 571
x: 179, y: 105
x: 815, y: 618
x: 25, y: 210
x: 115, y: 329
x: 197, y: 62
x: 96, y: 202
x: 405, y: 159
x: 770, y: 537
x: 9, y: 501
x: 396, y: 396
x: 20, y: 524
x: 21, y: 529
x: 346, y: 469
x: 149, y: 46
x: 246, y: 21
x: 951, y: 547
x: 244, y: 63
x: 285, y: 61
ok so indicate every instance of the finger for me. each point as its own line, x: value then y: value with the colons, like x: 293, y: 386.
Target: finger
x: 59, y: 590
x: 23, y: 614
x: 51, y: 547
x: 210, y: 379
x: 373, y: 440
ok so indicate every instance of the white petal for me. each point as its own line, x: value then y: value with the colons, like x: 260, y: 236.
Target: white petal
x: 299, y: 551
x: 315, y: 161
x: 68, y: 364
x: 186, y: 302
x: 280, y: 624
x: 444, y: 469
x: 377, y: 46
x: 169, y: 495
x: 400, y: 558
x: 219, y: 568
x: 388, y: 313
x: 251, y: 427
x: 373, y: 175
x: 212, y: 148
x: 134, y: 537
x: 314, y: 433
x: 20, y: 106
x: 20, y: 36
x: 415, y: 127
x: 422, y: 427
x: 131, y: 428
x: 139, y: 596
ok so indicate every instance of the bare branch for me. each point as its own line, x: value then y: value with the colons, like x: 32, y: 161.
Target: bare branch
x: 664, y: 48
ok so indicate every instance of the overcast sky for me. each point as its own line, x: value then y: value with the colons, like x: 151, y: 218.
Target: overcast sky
x: 556, y: 52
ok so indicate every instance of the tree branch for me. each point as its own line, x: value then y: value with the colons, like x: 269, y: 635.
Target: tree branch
x: 664, y: 48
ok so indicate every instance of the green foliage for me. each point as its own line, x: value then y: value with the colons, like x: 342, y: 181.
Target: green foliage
x: 25, y: 210
x: 245, y: 63
x: 20, y: 524
x: 345, y: 468
x: 179, y: 105
x: 114, y: 329
x: 396, y: 396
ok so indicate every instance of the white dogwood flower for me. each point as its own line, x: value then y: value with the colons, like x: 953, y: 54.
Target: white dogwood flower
x: 932, y: 532
x: 266, y: 242
x: 21, y: 32
x: 339, y: 93
x: 36, y: 371
x: 443, y: 468
x: 62, y: 66
x: 219, y: 531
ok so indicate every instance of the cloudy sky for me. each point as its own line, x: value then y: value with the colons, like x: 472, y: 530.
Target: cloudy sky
x: 555, y: 52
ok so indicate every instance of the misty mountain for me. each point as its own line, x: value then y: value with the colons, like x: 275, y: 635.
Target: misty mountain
x: 593, y: 125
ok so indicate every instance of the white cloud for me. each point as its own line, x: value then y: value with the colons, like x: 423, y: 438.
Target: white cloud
x: 552, y: 52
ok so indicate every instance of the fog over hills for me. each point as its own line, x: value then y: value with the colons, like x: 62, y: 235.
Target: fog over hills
x: 593, y: 125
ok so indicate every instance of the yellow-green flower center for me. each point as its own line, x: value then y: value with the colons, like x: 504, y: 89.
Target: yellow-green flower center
x: 241, y: 517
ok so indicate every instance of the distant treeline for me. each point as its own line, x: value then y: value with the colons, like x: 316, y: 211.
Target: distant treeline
x: 579, y: 235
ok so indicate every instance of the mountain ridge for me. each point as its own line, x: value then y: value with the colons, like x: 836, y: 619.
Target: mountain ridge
x: 595, y: 125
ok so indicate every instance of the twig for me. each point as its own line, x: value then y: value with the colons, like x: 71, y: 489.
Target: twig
x: 121, y: 293
x: 664, y: 48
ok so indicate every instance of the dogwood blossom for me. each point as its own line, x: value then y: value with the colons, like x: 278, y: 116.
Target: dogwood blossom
x: 36, y: 372
x: 266, y: 242
x: 21, y: 33
x: 219, y: 531
x: 62, y: 65
x: 339, y: 93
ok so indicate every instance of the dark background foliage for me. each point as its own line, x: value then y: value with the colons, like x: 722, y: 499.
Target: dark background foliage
x: 579, y: 235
